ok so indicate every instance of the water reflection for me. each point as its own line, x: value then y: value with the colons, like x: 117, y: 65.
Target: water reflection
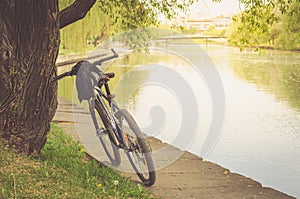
x: 261, y: 136
x: 274, y: 72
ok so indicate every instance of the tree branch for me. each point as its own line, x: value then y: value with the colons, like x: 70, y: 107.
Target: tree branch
x: 75, y: 12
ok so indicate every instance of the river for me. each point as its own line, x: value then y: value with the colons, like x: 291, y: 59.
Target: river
x: 259, y: 134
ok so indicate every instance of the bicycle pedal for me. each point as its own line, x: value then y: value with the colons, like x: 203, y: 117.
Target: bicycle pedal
x: 100, y: 132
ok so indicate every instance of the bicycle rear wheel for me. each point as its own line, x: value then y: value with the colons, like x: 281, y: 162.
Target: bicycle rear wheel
x: 111, y: 150
x: 139, y: 153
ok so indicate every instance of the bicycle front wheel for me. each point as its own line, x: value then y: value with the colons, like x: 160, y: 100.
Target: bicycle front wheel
x: 139, y: 151
x: 106, y: 137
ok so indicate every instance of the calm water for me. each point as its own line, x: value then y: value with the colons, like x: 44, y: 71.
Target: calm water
x: 261, y: 130
x: 261, y: 135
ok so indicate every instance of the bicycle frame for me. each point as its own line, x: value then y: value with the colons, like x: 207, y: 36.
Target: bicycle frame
x: 108, y: 97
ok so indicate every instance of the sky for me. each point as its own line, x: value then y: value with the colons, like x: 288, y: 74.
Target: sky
x: 210, y: 9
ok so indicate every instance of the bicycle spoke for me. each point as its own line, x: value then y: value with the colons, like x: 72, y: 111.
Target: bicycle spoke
x: 138, y: 150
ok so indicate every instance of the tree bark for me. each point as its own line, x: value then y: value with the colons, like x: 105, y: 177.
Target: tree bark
x: 29, y: 43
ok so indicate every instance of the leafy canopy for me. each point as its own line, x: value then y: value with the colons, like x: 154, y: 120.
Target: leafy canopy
x: 256, y: 24
x: 107, y: 18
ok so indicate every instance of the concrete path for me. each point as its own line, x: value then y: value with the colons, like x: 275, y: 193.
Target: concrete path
x: 186, y: 178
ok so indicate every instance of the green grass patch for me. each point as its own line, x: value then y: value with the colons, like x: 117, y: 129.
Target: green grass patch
x: 62, y: 171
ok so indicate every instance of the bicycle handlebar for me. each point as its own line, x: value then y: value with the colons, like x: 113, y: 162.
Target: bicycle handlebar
x: 99, y: 62
x: 62, y: 75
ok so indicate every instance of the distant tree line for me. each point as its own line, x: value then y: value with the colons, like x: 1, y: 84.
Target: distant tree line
x: 263, y: 24
x: 268, y: 24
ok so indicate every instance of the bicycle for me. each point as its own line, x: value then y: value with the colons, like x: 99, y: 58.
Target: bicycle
x: 120, y: 130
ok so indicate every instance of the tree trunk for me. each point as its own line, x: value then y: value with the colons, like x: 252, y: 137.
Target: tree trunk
x: 29, y: 43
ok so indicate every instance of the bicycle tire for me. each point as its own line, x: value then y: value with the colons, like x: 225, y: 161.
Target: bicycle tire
x: 139, y: 148
x: 111, y: 150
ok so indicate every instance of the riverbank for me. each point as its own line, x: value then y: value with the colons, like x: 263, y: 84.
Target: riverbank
x: 189, y: 176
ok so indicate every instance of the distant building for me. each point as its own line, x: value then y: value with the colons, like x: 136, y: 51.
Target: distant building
x: 222, y: 22
x: 201, y: 22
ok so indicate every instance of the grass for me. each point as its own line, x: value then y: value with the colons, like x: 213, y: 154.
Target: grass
x: 62, y: 171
